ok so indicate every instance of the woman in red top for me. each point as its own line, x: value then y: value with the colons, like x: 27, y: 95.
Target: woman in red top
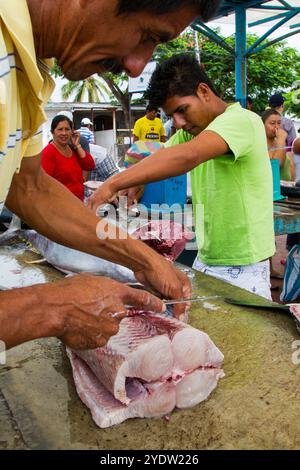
x: 63, y: 163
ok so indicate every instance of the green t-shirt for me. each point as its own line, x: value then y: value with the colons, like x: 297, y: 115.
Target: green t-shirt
x: 233, y: 194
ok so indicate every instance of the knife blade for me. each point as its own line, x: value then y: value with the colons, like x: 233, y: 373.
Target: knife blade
x: 198, y: 298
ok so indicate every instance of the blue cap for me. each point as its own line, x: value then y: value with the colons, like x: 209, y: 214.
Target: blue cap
x: 276, y: 100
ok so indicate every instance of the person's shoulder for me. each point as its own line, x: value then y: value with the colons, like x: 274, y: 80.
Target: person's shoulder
x: 48, y: 148
x: 84, y: 143
x: 235, y: 119
x: 287, y: 119
x: 139, y: 123
x: 236, y: 112
x: 139, y: 120
x: 287, y: 122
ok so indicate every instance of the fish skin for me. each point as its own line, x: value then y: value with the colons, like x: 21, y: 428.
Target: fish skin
x: 167, y: 238
x: 70, y: 261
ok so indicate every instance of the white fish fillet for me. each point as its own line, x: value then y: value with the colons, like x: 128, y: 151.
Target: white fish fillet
x: 138, y: 350
x: 149, y: 351
x: 150, y: 401
x: 197, y: 386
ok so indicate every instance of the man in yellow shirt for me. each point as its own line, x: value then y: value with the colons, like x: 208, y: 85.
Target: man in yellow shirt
x: 149, y: 127
x: 86, y: 37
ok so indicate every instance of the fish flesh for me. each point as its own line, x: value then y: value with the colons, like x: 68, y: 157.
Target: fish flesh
x: 166, y: 237
x: 138, y: 350
x: 150, y: 401
x: 153, y: 364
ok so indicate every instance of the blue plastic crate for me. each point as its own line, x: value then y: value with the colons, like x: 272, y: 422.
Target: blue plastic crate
x: 169, y: 191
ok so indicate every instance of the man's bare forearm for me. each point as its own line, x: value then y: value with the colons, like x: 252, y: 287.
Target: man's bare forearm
x: 172, y: 161
x: 52, y: 210
x: 23, y: 316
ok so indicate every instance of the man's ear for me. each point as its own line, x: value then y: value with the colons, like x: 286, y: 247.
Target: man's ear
x: 203, y: 91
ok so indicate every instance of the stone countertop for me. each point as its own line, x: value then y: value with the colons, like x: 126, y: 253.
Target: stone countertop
x: 255, y: 406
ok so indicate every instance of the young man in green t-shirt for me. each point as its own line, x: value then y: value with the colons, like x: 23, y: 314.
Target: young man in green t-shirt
x: 224, y: 146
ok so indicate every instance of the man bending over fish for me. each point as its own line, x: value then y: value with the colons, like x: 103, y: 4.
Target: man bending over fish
x: 224, y: 146
x: 86, y: 37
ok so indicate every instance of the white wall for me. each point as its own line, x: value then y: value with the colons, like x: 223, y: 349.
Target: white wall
x: 105, y: 138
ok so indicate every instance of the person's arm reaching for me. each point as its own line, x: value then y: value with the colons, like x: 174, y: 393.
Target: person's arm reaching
x: 163, y: 164
x: 48, y: 207
x: 79, y: 310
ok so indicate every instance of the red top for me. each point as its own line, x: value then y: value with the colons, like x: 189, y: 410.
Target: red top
x: 67, y: 171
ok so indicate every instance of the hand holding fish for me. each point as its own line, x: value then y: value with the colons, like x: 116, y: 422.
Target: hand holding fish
x: 133, y: 194
x: 169, y: 281
x: 89, y: 320
x: 84, y: 311
x: 103, y: 195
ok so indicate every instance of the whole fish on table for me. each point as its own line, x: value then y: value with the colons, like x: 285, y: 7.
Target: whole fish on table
x: 167, y: 238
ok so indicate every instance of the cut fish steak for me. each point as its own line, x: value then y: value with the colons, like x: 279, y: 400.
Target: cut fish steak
x: 153, y: 364
x: 150, y: 401
x: 138, y: 350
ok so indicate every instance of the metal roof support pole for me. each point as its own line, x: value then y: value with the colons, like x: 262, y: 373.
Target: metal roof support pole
x: 114, y: 128
x: 240, y: 56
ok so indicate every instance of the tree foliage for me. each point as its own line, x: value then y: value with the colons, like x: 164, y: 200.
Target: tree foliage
x: 292, y: 103
x: 273, y: 69
x: 93, y: 88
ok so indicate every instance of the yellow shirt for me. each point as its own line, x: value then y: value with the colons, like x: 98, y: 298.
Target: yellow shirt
x: 149, y: 129
x: 25, y: 86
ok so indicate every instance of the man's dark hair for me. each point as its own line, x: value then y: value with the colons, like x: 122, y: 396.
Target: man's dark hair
x: 180, y: 75
x: 269, y: 112
x: 59, y: 118
x: 205, y: 8
x: 150, y: 108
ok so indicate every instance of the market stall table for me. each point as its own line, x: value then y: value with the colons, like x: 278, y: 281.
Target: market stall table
x: 255, y: 406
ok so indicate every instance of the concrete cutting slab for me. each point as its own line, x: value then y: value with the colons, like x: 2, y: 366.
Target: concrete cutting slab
x: 256, y: 405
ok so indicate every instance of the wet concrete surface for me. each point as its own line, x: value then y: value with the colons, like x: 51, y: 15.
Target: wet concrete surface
x: 256, y: 405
